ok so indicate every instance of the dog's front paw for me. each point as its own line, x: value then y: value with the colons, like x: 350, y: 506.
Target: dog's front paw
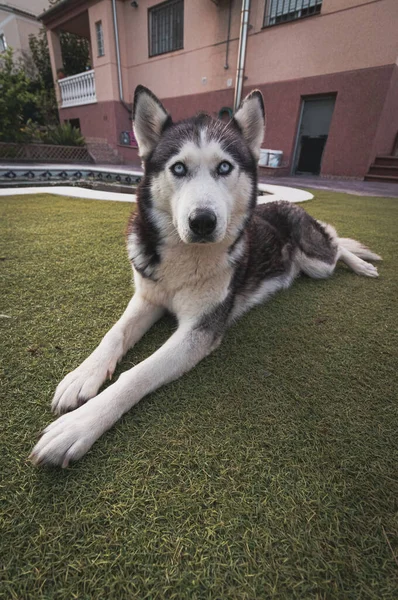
x: 82, y: 384
x: 370, y: 270
x: 68, y: 438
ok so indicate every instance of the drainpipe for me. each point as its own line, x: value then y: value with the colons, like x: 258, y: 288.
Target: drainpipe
x: 240, y: 69
x: 226, y: 66
x: 119, y: 70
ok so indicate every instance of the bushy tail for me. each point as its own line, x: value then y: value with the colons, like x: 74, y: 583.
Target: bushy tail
x: 355, y: 255
x: 358, y: 249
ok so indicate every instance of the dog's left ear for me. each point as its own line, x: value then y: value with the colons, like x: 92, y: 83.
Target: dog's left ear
x: 250, y: 119
x: 150, y: 119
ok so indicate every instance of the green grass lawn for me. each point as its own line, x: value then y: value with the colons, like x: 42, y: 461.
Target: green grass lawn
x: 269, y: 471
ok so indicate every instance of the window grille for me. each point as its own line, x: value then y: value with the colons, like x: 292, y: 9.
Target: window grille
x: 281, y: 11
x: 166, y: 27
x: 3, y: 43
x: 100, y: 38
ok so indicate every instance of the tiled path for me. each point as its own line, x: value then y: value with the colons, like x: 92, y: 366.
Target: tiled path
x: 349, y: 186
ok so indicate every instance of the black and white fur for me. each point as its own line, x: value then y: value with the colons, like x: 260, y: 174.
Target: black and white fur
x: 200, y: 248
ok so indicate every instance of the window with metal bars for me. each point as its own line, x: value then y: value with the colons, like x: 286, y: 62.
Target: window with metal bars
x: 3, y: 43
x: 166, y: 27
x: 281, y: 11
x: 100, y: 38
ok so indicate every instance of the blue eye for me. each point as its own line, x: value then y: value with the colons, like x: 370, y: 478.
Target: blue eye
x: 179, y: 169
x: 224, y: 168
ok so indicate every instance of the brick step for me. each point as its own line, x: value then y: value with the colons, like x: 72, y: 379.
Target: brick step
x: 272, y: 171
x: 102, y: 153
x: 386, y: 170
x: 381, y: 178
x: 386, y: 161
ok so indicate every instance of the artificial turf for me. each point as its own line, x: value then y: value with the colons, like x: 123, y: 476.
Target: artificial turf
x: 269, y: 471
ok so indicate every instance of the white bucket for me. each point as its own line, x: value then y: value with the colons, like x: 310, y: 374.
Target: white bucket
x: 275, y: 158
x: 263, y: 160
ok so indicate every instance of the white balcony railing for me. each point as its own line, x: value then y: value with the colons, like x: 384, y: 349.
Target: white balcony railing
x: 78, y: 89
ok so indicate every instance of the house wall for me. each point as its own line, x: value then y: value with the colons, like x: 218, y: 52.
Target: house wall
x: 363, y: 36
x: 103, y: 120
x: 25, y: 29
x: 16, y: 30
x: 350, y: 49
x: 16, y: 27
x: 106, y: 76
x: 359, y: 103
x: 203, y: 56
x: 32, y: 6
x: 347, y: 35
x: 106, y: 81
x: 388, y: 124
x: 361, y: 98
x: 8, y: 26
x: 335, y: 5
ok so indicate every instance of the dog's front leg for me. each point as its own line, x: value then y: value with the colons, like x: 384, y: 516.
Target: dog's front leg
x: 84, y: 382
x: 71, y: 436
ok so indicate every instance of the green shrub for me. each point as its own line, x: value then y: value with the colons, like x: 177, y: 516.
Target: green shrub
x: 14, y: 97
x: 64, y: 135
x: 33, y: 132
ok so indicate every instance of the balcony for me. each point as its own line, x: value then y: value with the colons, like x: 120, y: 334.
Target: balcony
x: 78, y: 89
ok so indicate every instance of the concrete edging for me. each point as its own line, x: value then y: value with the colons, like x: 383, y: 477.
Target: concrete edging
x: 108, y: 173
x: 276, y: 192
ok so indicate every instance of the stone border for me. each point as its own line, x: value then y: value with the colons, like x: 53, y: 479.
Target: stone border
x: 66, y: 173
x: 130, y: 177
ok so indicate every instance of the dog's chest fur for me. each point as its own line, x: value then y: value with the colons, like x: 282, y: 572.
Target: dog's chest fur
x: 187, y: 279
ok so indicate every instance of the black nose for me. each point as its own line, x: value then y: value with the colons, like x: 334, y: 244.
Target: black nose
x: 202, y: 222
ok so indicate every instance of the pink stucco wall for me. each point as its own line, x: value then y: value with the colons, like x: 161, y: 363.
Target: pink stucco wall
x: 106, y: 81
x: 361, y: 97
x: 103, y: 120
x: 387, y: 129
x: 203, y: 55
x: 16, y: 30
x: 364, y: 36
x: 346, y: 36
x: 358, y: 107
x: 349, y: 49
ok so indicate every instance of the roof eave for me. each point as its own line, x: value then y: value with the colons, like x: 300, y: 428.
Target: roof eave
x: 54, y: 10
x: 18, y: 11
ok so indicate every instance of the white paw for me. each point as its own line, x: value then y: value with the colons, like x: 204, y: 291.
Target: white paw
x: 68, y: 438
x: 82, y: 384
x: 369, y: 270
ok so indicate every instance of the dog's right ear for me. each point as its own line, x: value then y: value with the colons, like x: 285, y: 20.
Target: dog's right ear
x: 150, y: 119
x: 250, y: 119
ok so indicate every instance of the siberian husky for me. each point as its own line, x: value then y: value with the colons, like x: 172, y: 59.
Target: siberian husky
x: 201, y: 249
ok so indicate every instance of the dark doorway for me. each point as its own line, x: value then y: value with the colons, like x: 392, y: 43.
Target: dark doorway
x: 313, y: 133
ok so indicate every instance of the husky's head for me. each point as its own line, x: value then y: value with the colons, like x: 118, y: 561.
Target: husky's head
x: 200, y: 173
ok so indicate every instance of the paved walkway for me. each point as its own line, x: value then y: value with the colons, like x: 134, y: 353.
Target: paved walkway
x: 348, y: 186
